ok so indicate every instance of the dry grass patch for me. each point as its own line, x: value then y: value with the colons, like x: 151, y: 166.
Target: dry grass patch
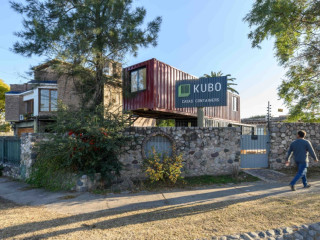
x: 171, y: 222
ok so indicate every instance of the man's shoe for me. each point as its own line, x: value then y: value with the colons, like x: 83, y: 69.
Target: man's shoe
x: 307, y: 186
x: 292, y: 187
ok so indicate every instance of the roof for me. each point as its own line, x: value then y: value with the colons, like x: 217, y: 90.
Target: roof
x: 45, y: 82
x: 13, y: 92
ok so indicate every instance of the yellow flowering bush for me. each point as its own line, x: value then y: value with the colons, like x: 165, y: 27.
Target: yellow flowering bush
x: 163, y: 168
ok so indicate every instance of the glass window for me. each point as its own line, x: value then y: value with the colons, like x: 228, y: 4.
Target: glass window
x: 44, y: 100
x: 235, y: 106
x: 54, y: 100
x: 29, y: 106
x: 138, y: 80
x: 48, y: 100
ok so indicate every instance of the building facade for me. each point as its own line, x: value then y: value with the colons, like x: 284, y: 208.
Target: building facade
x: 29, y: 106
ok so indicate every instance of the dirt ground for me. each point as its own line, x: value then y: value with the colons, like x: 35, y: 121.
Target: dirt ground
x: 192, y: 221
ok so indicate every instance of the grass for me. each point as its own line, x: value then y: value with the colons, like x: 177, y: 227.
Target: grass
x: 208, y: 179
x: 196, y: 181
x: 190, y: 221
x: 312, y: 171
x: 187, y: 182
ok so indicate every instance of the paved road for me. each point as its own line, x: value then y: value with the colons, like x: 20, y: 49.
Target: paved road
x: 86, y: 202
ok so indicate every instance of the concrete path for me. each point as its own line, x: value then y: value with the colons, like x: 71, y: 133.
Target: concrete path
x: 267, y: 175
x: 81, y: 203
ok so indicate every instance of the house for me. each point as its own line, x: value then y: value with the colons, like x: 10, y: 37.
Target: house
x: 149, y: 91
x: 29, y: 106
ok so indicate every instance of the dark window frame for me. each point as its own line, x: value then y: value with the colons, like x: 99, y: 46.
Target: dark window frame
x: 137, y: 70
x: 32, y: 106
x: 50, y: 90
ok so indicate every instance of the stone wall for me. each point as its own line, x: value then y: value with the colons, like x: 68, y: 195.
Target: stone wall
x: 311, y: 231
x: 206, y: 151
x: 281, y: 136
x: 10, y: 170
x: 28, y: 153
x: 214, y: 151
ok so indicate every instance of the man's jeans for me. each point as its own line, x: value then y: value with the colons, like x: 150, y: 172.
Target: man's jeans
x: 302, y: 173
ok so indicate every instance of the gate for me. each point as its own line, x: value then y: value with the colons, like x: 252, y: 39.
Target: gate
x: 10, y: 150
x: 254, y: 151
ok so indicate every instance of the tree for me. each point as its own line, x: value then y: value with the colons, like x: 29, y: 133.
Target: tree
x: 85, y: 142
x: 230, y: 80
x: 3, y: 89
x: 295, y: 25
x: 85, y: 33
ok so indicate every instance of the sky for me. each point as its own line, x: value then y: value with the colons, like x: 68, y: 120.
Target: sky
x: 196, y: 36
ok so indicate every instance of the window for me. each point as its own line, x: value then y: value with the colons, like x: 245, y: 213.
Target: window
x: 107, y: 70
x: 138, y: 80
x: 29, y: 106
x: 161, y: 144
x: 48, y: 100
x: 235, y: 104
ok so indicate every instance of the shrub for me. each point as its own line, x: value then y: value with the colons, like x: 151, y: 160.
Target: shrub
x: 84, y: 142
x: 5, y: 127
x: 161, y: 167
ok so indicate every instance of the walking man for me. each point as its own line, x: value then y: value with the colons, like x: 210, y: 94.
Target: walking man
x: 301, y: 148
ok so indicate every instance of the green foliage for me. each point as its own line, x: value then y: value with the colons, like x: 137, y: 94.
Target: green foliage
x: 84, y: 142
x: 166, y: 123
x: 230, y: 80
x: 3, y: 89
x: 163, y: 168
x: 6, y: 127
x: 223, y: 179
x: 85, y: 34
x: 295, y: 25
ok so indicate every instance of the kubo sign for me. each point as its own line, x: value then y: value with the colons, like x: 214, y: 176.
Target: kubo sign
x: 205, y: 92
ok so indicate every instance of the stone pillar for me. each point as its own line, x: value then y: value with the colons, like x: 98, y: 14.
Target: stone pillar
x: 35, y: 125
x: 200, y: 117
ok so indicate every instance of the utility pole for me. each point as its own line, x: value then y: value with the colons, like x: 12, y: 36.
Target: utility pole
x: 269, y: 115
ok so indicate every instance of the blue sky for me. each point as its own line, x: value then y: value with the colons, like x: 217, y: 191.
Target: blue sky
x: 197, y: 36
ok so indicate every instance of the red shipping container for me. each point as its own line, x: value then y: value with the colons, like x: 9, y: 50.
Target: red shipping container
x: 157, y: 99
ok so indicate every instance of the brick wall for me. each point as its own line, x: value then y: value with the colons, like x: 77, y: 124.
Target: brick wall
x: 14, y: 107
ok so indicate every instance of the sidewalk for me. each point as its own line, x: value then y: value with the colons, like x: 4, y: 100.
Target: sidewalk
x: 86, y: 202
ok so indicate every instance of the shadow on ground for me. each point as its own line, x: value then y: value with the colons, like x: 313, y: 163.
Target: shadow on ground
x: 169, y: 211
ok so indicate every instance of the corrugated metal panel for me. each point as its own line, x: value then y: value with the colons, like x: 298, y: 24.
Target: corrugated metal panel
x: 160, y: 93
x: 142, y: 99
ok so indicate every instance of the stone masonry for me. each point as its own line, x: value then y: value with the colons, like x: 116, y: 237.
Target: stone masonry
x: 205, y: 151
x: 281, y: 136
x: 213, y: 151
x: 307, y: 232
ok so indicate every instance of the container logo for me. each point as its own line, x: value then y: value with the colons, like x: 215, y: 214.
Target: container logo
x: 184, y: 90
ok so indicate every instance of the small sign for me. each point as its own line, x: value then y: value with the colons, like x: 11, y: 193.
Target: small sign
x: 280, y: 110
x: 204, y: 92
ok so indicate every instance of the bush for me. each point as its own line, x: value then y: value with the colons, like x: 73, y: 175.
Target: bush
x: 161, y: 167
x: 6, y: 127
x: 84, y: 142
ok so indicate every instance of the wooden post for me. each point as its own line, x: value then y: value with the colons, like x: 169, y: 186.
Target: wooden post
x: 200, y: 117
